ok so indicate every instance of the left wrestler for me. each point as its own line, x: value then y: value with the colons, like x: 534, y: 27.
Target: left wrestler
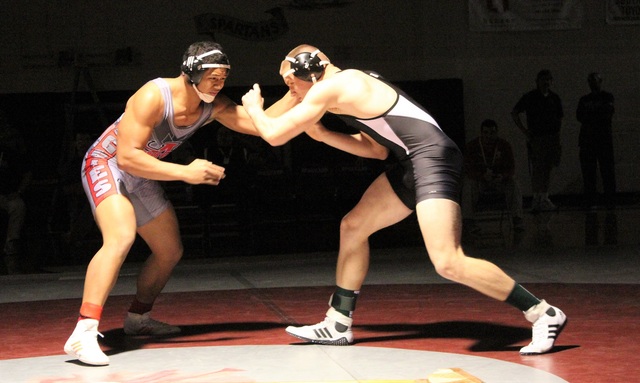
x: 120, y: 174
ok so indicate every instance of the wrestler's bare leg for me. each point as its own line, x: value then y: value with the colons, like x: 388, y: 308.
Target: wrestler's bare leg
x: 117, y: 222
x: 162, y: 235
x: 378, y: 208
x: 441, y: 226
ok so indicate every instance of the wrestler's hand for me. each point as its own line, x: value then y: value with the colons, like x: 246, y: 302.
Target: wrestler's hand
x: 253, y: 98
x: 203, y: 172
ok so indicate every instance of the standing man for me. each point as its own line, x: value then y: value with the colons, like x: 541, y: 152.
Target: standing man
x: 489, y: 167
x: 15, y: 178
x: 120, y: 175
x: 426, y: 179
x: 543, y: 109
x: 594, y: 112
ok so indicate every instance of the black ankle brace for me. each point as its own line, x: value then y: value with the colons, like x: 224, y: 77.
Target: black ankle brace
x: 344, y: 301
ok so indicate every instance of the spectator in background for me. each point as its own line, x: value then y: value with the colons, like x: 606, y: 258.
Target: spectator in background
x: 15, y: 176
x: 489, y: 168
x: 79, y: 217
x: 544, y: 113
x: 594, y: 113
x: 228, y: 153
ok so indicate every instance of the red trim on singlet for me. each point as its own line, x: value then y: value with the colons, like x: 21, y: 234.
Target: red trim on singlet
x: 99, y: 176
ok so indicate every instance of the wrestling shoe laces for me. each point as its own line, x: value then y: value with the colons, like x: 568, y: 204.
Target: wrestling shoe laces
x: 83, y: 343
x: 546, y: 328
x: 334, y: 330
x: 143, y: 324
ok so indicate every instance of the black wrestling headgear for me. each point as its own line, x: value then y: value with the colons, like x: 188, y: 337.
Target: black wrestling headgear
x: 305, y: 66
x: 194, y: 67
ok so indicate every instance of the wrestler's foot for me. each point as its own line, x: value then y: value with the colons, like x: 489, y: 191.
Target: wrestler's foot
x: 83, y: 343
x: 546, y: 328
x: 334, y: 330
x: 143, y: 324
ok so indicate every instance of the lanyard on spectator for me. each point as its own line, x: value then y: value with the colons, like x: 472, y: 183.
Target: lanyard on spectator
x: 495, y: 152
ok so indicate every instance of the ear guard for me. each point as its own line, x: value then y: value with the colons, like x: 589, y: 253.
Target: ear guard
x: 305, y: 66
x: 194, y: 68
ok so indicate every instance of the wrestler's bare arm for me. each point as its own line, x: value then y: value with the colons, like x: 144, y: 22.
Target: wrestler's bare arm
x: 359, y: 144
x: 282, y: 105
x: 235, y: 117
x: 232, y: 115
x: 142, y: 113
x: 279, y: 130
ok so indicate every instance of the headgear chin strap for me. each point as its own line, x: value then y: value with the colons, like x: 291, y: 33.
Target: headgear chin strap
x: 305, y: 66
x: 203, y: 96
x: 194, y: 68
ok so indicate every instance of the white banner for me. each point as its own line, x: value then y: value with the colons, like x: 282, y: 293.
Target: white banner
x: 525, y: 15
x: 623, y: 11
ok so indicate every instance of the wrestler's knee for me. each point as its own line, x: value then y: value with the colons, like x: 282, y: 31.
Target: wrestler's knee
x: 175, y: 255
x: 170, y: 255
x: 119, y: 241
x: 351, y: 226
x: 449, y: 265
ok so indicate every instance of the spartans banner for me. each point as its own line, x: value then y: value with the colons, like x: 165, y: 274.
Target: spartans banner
x: 623, y: 11
x: 524, y: 15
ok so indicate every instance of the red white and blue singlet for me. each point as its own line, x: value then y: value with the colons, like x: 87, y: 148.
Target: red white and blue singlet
x: 102, y: 178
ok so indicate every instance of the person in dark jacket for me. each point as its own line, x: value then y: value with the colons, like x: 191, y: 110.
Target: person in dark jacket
x: 595, y: 111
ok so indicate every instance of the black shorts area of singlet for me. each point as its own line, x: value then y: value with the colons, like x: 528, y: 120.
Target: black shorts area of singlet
x: 436, y: 175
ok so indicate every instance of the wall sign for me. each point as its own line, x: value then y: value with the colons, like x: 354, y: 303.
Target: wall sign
x: 524, y: 15
x: 266, y: 30
x: 623, y: 11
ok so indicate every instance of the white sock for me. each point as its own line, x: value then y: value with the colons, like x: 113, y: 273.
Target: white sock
x: 535, y: 312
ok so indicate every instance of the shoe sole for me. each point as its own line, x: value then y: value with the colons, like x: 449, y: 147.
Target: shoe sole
x: 554, y: 342
x: 338, y: 342
x: 73, y: 354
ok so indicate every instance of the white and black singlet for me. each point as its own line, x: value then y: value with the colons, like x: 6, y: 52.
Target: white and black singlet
x: 429, y: 162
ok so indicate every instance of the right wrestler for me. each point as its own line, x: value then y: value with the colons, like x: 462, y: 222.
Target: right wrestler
x: 426, y: 179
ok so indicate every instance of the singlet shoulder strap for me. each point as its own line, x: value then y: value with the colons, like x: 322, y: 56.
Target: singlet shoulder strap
x: 165, y: 89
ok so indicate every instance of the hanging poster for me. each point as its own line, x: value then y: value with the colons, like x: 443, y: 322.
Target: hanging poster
x: 623, y: 11
x: 525, y: 15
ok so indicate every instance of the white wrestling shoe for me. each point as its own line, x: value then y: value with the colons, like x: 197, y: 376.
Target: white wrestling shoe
x: 334, y: 330
x: 83, y: 343
x: 546, y: 328
x: 143, y: 324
